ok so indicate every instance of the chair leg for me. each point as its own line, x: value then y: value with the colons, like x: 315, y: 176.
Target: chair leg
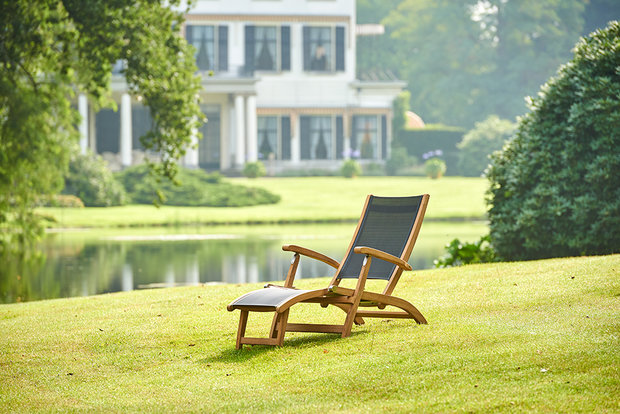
x: 273, y: 333
x: 281, y: 327
x: 243, y: 323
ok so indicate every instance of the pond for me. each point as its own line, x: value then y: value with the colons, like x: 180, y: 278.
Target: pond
x: 90, y: 262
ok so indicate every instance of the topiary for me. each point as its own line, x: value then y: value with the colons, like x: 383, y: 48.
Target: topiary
x: 254, y: 169
x: 554, y: 189
x: 350, y: 169
x: 91, y: 181
x: 434, y: 168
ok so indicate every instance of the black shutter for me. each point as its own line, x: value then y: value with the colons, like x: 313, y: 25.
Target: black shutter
x: 383, y: 137
x: 306, y: 41
x: 339, y: 138
x: 189, y: 30
x: 222, y: 50
x: 340, y: 48
x: 285, y: 134
x: 285, y: 45
x: 353, y: 133
x: 304, y: 126
x: 249, y: 49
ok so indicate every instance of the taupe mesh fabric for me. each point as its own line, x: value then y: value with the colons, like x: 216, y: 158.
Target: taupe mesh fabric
x: 387, y: 224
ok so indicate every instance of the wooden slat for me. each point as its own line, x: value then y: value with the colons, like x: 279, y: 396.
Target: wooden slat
x: 384, y: 314
x: 314, y: 327
x: 259, y: 341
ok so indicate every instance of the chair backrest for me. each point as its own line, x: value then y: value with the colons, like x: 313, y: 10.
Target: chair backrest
x: 390, y: 224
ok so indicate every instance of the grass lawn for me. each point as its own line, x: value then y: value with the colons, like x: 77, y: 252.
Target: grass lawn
x: 537, y: 336
x: 311, y: 199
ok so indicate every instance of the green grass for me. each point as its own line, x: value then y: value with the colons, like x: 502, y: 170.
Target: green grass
x: 312, y: 199
x: 537, y: 336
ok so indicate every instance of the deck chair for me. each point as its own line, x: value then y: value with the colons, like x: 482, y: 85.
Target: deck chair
x: 381, y: 245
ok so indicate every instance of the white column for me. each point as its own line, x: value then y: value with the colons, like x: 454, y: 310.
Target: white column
x: 191, y: 154
x: 83, y: 127
x: 224, y: 138
x: 239, y: 131
x: 251, y: 138
x: 126, y: 130
x: 295, y: 139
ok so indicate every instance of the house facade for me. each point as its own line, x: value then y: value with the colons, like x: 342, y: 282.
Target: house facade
x: 279, y: 85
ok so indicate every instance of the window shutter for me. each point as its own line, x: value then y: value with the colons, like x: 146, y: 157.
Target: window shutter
x: 249, y: 49
x: 354, y: 134
x: 189, y: 30
x: 285, y: 134
x: 222, y: 50
x: 306, y: 48
x: 383, y: 137
x: 340, y: 48
x: 339, y: 138
x: 304, y: 126
x: 285, y: 45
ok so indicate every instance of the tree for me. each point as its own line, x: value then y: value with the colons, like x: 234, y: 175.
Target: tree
x: 478, y: 144
x: 51, y: 50
x: 554, y: 188
x: 469, y: 59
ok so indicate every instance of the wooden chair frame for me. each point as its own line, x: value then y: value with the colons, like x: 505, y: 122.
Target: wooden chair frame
x: 349, y: 300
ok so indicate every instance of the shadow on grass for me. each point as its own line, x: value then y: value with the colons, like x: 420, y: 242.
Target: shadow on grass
x: 232, y: 355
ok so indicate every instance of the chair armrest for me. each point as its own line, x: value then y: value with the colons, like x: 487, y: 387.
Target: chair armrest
x: 383, y: 256
x: 311, y: 253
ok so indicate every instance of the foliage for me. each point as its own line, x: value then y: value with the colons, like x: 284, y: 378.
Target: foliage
x: 50, y: 51
x: 398, y: 161
x: 433, y: 138
x: 461, y: 253
x: 487, y: 137
x: 400, y: 106
x: 373, y: 169
x: 350, y: 169
x: 254, y: 169
x: 63, y: 200
x: 554, y: 188
x: 90, y: 180
x: 434, y: 167
x: 195, y: 188
x: 465, y: 60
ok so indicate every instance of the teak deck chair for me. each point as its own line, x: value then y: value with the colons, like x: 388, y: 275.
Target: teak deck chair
x: 386, y: 231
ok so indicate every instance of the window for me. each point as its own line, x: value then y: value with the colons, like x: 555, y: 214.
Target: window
x: 368, y: 140
x: 274, y: 137
x: 318, y: 141
x: 211, y: 43
x: 267, y: 48
x: 323, y: 48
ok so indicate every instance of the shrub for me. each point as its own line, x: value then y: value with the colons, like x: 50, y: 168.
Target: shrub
x: 254, y: 169
x: 434, y: 168
x: 554, y: 188
x: 91, y: 181
x: 458, y: 253
x: 373, y: 169
x: 430, y: 139
x: 195, y: 188
x: 398, y: 161
x: 350, y: 169
x: 478, y: 144
x: 63, y: 200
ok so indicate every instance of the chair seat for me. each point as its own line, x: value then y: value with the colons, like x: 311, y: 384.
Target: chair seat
x: 269, y: 298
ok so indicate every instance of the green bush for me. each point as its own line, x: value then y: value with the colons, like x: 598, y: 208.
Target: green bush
x: 434, y: 168
x: 350, y: 169
x: 398, y: 161
x: 91, y: 181
x: 459, y: 253
x: 254, y: 169
x: 63, y: 200
x: 196, y: 188
x: 554, y: 189
x: 478, y: 144
x: 431, y: 139
x: 373, y: 169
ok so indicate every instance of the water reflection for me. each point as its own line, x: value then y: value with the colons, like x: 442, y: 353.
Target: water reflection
x: 80, y: 264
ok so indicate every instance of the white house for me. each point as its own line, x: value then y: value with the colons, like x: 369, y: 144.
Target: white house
x: 283, y: 90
